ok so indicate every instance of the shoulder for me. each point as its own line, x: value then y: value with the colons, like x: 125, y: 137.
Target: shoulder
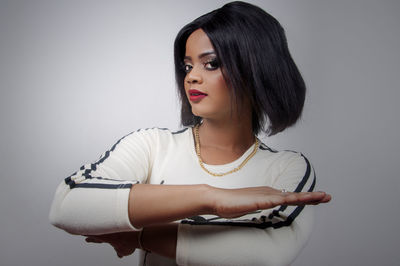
x: 289, y: 166
x: 283, y: 157
x: 154, y: 135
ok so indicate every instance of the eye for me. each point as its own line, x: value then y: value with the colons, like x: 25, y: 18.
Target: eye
x: 212, y: 64
x: 187, y: 67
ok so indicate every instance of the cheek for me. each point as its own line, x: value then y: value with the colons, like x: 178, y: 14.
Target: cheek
x: 222, y: 83
x: 221, y: 87
x: 185, y: 86
x: 217, y: 80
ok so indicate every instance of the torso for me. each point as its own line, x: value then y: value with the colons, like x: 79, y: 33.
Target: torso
x: 176, y: 163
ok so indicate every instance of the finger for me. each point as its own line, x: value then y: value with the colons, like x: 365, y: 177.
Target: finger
x: 118, y: 253
x: 327, y: 198
x: 313, y: 196
x: 303, y: 198
x: 93, y: 240
x: 313, y: 202
x: 283, y: 197
x: 320, y: 197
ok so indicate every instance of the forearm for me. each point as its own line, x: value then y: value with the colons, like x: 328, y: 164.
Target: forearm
x: 91, y: 211
x: 156, y: 204
x: 237, y: 245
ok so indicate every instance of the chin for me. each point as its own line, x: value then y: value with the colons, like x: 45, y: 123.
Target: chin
x: 208, y: 111
x: 207, y: 114
x: 200, y: 113
x: 196, y: 113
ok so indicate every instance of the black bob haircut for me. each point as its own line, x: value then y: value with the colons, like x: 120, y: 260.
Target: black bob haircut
x: 253, y: 54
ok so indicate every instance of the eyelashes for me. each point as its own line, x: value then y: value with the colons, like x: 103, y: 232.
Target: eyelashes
x: 210, y: 65
x: 186, y: 67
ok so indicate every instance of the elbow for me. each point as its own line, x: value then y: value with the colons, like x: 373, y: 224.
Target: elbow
x: 53, y: 218
x: 61, y: 221
x: 57, y: 221
x: 56, y: 216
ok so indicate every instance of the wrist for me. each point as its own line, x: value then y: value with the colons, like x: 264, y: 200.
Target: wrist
x: 210, y: 199
x: 133, y: 239
x: 140, y: 240
x: 160, y: 239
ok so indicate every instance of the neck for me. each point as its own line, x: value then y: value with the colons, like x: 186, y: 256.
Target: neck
x: 228, y: 134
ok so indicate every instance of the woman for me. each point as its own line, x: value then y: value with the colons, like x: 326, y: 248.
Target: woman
x: 212, y: 193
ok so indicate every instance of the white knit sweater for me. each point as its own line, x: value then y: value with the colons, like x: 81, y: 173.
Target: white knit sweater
x: 94, y: 200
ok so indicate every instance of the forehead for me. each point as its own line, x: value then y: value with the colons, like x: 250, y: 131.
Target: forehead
x: 197, y: 43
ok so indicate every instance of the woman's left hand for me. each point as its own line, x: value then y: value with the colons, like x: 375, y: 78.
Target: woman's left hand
x: 124, y: 243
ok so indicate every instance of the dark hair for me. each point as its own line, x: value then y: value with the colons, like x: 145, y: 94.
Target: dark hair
x: 255, y: 61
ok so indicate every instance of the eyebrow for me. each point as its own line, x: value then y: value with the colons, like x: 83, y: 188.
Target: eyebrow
x: 201, y: 55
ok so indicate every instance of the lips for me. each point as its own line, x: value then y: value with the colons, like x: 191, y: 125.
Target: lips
x: 196, y: 95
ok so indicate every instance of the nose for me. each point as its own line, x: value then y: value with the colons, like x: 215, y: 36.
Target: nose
x: 194, y: 76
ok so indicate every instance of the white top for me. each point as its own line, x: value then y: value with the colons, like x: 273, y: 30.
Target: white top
x: 94, y: 200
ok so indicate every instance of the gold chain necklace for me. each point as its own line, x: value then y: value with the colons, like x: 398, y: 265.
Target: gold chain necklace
x: 197, y: 143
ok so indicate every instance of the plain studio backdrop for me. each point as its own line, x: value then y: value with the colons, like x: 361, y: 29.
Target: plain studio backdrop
x: 75, y: 76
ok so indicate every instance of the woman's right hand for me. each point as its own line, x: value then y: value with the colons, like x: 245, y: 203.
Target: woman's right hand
x: 124, y: 243
x: 231, y: 203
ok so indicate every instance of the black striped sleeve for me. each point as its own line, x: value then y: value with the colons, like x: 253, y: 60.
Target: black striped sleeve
x: 94, y: 199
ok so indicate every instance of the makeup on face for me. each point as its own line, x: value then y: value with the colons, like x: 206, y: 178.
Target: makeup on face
x: 196, y: 95
x: 208, y: 61
x: 204, y: 83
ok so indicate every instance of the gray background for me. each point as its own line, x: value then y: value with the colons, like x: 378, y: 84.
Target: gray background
x: 75, y: 76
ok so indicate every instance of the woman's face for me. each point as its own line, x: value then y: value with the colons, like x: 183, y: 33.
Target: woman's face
x: 205, y: 86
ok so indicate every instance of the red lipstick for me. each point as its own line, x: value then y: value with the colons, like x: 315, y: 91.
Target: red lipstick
x: 196, y: 96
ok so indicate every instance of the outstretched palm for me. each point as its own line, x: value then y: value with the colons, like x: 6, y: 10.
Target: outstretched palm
x: 231, y: 203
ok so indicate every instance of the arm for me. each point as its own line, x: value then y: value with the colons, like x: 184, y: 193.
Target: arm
x: 94, y: 200
x: 87, y: 211
x: 269, y: 237
x: 155, y: 204
x: 107, y: 197
x: 160, y: 239
x: 235, y: 245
